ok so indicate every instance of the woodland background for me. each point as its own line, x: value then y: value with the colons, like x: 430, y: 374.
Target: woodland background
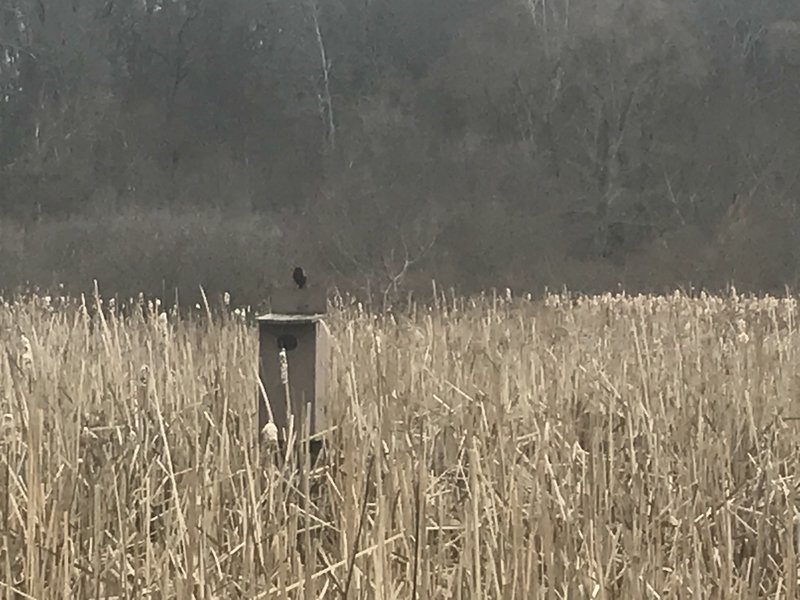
x: 162, y: 144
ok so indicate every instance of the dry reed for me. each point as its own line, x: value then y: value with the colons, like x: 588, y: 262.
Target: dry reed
x: 601, y: 447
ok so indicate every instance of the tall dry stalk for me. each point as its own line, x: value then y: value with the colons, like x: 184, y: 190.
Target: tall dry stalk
x: 601, y: 447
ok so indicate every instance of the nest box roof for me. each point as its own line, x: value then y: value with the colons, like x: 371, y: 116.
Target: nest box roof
x: 290, y: 318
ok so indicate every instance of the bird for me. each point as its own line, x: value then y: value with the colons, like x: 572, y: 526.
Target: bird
x: 299, y: 277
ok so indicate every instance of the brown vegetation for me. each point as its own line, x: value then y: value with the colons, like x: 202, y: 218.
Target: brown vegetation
x: 597, y: 447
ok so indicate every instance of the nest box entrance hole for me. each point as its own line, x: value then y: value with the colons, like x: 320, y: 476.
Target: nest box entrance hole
x: 287, y: 342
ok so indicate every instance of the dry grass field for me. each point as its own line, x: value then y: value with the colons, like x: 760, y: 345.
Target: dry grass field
x: 601, y: 447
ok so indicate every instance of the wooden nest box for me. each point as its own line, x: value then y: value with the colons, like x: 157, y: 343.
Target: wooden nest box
x: 294, y: 324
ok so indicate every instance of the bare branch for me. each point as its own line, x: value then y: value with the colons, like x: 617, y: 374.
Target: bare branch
x: 325, y: 100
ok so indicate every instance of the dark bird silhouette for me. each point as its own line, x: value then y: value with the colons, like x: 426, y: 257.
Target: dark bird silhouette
x: 299, y: 277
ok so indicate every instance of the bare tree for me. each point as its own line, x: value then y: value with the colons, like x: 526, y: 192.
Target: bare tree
x: 324, y: 94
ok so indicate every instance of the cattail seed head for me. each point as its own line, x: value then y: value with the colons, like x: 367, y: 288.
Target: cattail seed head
x: 163, y: 324
x: 271, y: 433
x: 26, y: 356
x: 8, y: 428
x: 284, y: 367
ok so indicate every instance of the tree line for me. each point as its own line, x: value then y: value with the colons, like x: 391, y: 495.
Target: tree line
x: 385, y: 142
